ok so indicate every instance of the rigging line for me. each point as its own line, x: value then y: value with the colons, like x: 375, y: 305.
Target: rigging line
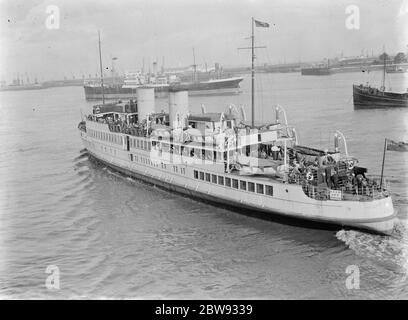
x: 270, y: 76
x: 260, y: 84
x: 262, y: 78
x: 260, y: 94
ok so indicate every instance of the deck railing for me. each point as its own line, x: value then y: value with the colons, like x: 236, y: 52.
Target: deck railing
x: 352, y: 193
x: 121, y: 127
x: 82, y: 126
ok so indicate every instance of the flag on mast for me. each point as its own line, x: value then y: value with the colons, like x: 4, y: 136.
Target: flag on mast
x: 261, y: 24
x: 392, y: 145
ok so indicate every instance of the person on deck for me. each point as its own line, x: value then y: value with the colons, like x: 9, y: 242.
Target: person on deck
x: 335, y: 178
x: 275, y: 152
x: 349, y: 183
x: 359, y: 183
x: 328, y: 174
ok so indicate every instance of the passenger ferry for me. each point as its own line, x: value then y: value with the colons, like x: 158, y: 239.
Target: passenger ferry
x: 218, y: 157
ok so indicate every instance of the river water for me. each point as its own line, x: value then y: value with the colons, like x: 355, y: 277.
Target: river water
x: 114, y: 237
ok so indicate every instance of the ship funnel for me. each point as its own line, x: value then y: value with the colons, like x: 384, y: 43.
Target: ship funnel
x: 155, y: 69
x: 336, y: 142
x: 145, y: 102
x: 341, y: 136
x: 178, y: 108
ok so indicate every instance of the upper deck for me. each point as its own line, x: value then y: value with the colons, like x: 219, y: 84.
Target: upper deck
x: 225, y: 143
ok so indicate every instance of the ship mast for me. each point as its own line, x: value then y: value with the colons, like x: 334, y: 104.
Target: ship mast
x: 252, y: 74
x: 252, y: 47
x: 100, y: 65
x: 194, y: 68
x: 383, y: 79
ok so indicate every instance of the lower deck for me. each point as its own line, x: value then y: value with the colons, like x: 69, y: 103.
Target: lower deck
x: 252, y: 192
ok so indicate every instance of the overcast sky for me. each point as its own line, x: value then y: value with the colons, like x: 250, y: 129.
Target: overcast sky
x: 135, y: 29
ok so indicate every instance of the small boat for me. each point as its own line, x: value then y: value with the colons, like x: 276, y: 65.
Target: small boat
x: 395, y: 69
x: 367, y: 97
x: 321, y: 70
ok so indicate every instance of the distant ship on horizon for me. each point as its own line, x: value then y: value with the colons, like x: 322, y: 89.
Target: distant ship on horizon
x: 161, y: 85
x: 320, y: 70
x: 214, y: 84
x: 21, y: 87
x: 18, y: 84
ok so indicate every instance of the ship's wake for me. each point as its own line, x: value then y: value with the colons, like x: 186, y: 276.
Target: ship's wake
x: 389, y: 251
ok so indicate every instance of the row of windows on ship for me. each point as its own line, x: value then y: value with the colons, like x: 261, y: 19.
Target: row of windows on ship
x: 212, y: 178
x: 186, y: 151
x: 147, y: 161
x: 234, y: 183
x: 199, y: 175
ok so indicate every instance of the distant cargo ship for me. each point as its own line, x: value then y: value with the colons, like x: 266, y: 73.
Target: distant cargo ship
x: 21, y: 87
x: 209, y: 87
x: 214, y: 84
x: 316, y: 71
x: 127, y: 90
x: 320, y: 70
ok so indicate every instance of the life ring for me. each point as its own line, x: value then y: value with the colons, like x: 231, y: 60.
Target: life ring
x: 309, y: 176
x: 350, y: 164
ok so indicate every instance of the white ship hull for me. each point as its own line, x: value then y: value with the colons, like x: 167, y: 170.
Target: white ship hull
x: 288, y: 199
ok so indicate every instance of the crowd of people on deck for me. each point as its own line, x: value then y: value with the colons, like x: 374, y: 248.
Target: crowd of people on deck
x: 273, y: 152
x: 325, y: 171
x: 319, y: 171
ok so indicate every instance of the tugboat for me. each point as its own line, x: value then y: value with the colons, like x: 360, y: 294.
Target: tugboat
x: 367, y: 97
x: 316, y: 71
x: 321, y: 70
x: 221, y: 158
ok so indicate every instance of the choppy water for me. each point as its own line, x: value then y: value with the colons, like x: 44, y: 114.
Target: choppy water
x: 115, y: 237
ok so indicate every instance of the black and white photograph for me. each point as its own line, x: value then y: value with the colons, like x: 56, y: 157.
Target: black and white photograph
x: 203, y: 150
